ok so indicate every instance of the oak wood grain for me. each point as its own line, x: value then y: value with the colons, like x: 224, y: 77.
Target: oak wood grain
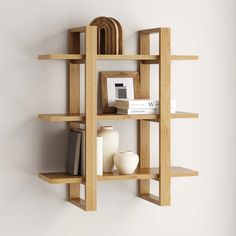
x: 140, y: 173
x: 144, y: 126
x: 164, y: 120
x: 91, y: 115
x: 107, y: 116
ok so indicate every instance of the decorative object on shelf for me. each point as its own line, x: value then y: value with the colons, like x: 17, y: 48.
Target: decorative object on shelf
x: 110, y: 146
x: 136, y: 103
x: 73, y: 153
x: 117, y: 85
x: 126, y: 162
x: 76, y: 153
x: 99, y: 155
x: 109, y: 35
x: 140, y: 106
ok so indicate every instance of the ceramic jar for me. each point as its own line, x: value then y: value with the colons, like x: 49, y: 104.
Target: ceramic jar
x: 126, y: 162
x: 110, y: 146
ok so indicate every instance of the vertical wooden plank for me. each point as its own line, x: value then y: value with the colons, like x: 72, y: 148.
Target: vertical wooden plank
x: 164, y: 124
x: 74, y: 191
x: 74, y: 88
x: 144, y: 126
x: 73, y: 94
x: 91, y: 115
x: 74, y: 75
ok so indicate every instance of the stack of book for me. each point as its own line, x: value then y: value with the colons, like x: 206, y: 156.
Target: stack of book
x: 75, y: 164
x: 140, y: 106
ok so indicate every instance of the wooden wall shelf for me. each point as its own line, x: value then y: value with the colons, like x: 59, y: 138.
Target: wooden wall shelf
x: 81, y: 117
x: 144, y: 173
x: 148, y: 59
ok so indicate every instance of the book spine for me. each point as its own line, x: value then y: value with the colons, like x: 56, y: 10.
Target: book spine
x: 77, y: 154
x: 82, y: 152
x: 140, y: 111
x: 137, y: 104
x: 137, y: 111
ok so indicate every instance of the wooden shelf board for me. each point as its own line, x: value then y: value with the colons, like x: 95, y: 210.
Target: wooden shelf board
x: 99, y: 57
x: 184, y: 57
x: 151, y: 198
x: 125, y: 117
x: 61, y: 117
x: 127, y: 57
x: 81, y: 117
x: 149, y: 58
x: 81, y: 29
x: 150, y: 31
x: 144, y: 173
x: 79, y: 202
x: 61, y: 57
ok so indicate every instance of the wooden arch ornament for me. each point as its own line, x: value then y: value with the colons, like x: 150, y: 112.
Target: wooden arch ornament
x: 109, y: 35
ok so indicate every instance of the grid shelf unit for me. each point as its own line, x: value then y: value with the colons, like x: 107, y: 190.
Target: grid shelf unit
x: 144, y: 172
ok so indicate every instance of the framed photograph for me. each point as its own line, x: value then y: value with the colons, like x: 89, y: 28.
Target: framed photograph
x: 118, y: 85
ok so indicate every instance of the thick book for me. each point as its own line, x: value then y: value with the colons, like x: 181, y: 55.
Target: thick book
x: 137, y: 111
x: 73, y: 153
x: 82, y: 153
x: 136, y: 103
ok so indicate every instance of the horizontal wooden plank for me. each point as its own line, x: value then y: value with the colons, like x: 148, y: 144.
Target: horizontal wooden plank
x: 173, y: 58
x: 78, y: 29
x: 61, y: 117
x: 184, y: 57
x: 81, y: 117
x: 147, y: 59
x: 144, y: 173
x: 178, y: 114
x: 61, y: 57
x: 127, y: 57
x: 182, y: 114
x: 150, y: 31
x: 99, y: 57
x: 151, y: 198
x: 60, y: 178
x: 178, y: 171
x: 125, y: 117
x: 79, y: 202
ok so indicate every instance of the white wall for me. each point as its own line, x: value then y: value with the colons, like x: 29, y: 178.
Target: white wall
x: 203, y: 205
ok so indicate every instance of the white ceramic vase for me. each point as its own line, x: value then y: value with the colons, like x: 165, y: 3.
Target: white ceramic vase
x: 126, y: 162
x: 110, y: 146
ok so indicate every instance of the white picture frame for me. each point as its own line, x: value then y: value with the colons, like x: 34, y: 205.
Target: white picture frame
x: 117, y: 85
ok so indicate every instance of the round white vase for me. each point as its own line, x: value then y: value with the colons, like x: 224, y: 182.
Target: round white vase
x: 110, y: 146
x: 126, y: 162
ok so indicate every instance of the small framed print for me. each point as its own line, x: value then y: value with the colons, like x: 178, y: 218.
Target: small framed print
x: 118, y: 85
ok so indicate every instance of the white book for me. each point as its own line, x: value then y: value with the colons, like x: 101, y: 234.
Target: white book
x: 137, y: 111
x: 136, y: 103
x: 140, y: 111
x: 140, y: 103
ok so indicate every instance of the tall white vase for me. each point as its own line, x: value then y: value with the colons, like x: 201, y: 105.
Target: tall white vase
x: 99, y: 155
x: 110, y: 146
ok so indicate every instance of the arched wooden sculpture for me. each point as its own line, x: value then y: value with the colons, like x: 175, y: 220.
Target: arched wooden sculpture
x: 110, y: 38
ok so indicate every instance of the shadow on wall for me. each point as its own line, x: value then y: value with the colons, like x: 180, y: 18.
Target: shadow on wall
x: 52, y: 147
